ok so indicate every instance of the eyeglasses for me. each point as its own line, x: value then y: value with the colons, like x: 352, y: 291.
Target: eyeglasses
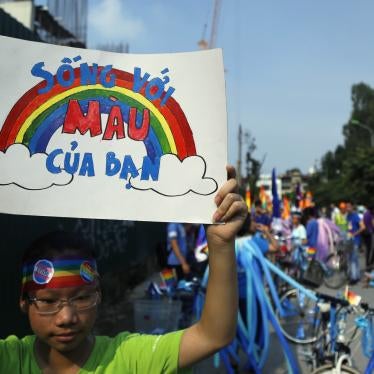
x: 52, y: 306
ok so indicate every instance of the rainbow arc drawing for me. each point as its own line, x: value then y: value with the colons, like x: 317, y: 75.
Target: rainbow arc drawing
x: 36, y: 117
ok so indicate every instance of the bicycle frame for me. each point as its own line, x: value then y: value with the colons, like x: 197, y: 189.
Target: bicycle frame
x: 329, y: 346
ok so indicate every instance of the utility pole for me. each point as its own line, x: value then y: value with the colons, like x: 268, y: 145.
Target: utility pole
x: 239, y: 162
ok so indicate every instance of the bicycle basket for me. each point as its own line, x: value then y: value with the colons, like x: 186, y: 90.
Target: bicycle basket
x: 313, y: 275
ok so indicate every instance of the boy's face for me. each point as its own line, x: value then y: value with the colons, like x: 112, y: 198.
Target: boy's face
x: 67, y: 329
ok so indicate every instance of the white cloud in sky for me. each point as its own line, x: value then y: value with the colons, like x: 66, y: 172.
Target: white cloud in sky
x: 29, y: 172
x: 177, y: 177
x: 110, y: 21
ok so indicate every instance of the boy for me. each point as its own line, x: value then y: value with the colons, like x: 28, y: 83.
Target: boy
x: 60, y: 294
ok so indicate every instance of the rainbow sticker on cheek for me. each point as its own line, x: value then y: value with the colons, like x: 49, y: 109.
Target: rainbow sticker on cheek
x: 87, y: 272
x: 43, y: 272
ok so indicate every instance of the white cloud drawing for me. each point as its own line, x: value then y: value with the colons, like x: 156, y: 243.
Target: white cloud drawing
x: 18, y: 167
x: 177, y: 178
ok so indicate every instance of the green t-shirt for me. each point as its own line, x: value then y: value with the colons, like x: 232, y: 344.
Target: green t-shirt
x: 341, y: 221
x: 125, y: 353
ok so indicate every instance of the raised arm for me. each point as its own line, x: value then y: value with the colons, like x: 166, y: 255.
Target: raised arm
x: 217, y: 325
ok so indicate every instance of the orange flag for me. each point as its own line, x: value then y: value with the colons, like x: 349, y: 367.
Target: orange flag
x: 286, y: 208
x: 248, y: 198
x: 308, y: 200
x: 263, y: 198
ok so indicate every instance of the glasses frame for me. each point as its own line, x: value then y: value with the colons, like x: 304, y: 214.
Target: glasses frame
x: 61, y: 302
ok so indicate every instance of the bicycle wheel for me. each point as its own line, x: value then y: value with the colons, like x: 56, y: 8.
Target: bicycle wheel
x: 337, y: 271
x: 330, y: 369
x: 298, y: 322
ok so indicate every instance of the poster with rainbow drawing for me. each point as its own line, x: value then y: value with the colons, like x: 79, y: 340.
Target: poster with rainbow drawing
x: 94, y: 134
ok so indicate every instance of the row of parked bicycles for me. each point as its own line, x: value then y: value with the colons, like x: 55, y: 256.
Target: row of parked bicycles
x: 333, y: 271
x: 328, y: 331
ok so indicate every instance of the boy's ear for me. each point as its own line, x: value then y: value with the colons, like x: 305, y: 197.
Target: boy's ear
x: 23, y: 304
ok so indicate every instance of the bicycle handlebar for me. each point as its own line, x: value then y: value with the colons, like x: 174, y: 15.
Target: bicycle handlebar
x: 332, y: 299
x: 367, y: 308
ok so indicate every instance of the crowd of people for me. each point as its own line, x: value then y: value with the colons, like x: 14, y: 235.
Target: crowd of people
x: 303, y: 227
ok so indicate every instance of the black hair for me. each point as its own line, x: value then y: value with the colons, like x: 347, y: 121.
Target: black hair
x: 258, y: 202
x: 309, y: 212
x: 52, y: 245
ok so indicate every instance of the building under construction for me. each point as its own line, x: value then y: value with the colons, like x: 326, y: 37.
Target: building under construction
x: 62, y: 22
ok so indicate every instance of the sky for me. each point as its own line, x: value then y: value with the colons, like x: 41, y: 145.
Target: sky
x: 289, y: 64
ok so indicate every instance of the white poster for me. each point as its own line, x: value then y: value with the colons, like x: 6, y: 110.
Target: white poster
x: 92, y: 134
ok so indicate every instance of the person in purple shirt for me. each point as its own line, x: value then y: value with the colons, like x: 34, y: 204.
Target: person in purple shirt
x: 355, y: 228
x: 309, y: 217
x: 367, y: 236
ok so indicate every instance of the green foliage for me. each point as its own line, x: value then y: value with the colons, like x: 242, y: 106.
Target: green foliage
x: 359, y: 176
x: 348, y: 172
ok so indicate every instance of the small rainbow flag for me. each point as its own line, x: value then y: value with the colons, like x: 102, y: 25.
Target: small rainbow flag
x: 201, y: 247
x: 311, y: 251
x: 352, y: 297
x: 168, y: 277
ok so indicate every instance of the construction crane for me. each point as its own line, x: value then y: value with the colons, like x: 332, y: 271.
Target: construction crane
x: 211, y: 43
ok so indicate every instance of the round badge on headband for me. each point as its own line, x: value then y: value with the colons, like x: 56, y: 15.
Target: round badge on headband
x: 43, y: 272
x: 87, y: 272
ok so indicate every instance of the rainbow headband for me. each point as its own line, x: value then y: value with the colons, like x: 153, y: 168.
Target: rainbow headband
x: 72, y: 272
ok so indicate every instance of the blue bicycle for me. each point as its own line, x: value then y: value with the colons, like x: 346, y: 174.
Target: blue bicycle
x: 321, y: 326
x: 365, y: 323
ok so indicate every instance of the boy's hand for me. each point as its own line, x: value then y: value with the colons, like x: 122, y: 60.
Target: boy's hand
x: 231, y: 209
x: 186, y: 268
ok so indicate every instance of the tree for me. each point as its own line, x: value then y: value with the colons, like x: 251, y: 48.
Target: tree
x: 362, y: 111
x: 359, y: 176
x: 348, y: 172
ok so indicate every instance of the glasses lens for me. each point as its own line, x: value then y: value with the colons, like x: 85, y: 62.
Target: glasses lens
x: 50, y: 306
x: 46, y: 306
x: 84, y: 301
